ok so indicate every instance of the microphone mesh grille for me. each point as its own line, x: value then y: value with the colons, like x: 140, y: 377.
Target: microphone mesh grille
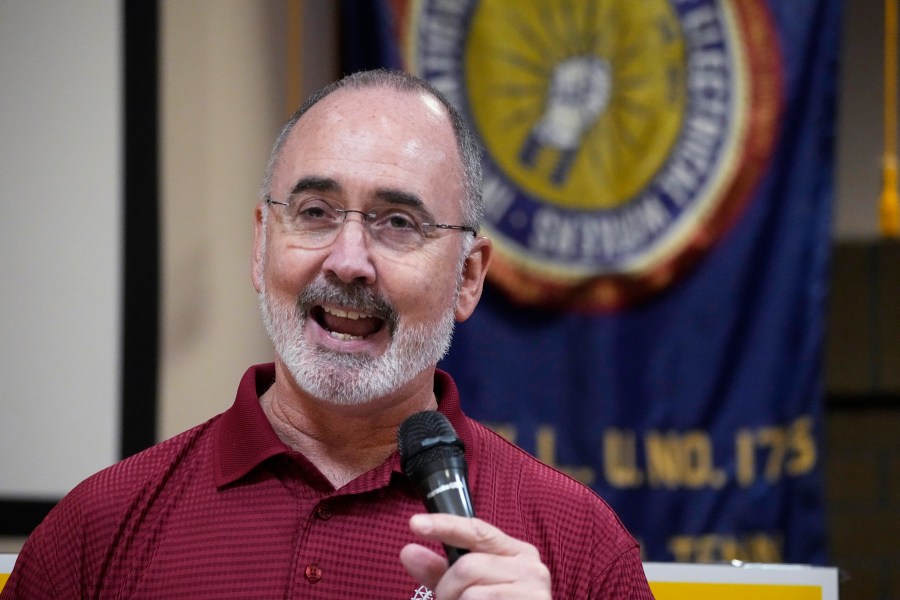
x: 424, y: 437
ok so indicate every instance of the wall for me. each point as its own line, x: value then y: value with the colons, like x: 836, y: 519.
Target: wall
x: 863, y: 490
x: 862, y: 454
x: 859, y: 126
x: 223, y: 102
x: 60, y: 233
x: 862, y: 464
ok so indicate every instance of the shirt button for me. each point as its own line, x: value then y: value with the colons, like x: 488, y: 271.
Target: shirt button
x: 323, y: 511
x: 313, y: 573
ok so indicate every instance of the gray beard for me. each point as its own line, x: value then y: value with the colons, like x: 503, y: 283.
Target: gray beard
x: 353, y: 378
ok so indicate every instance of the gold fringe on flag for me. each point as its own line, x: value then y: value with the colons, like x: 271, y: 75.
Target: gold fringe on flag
x: 889, y: 207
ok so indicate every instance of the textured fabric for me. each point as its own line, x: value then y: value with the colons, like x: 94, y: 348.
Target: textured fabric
x: 226, y: 510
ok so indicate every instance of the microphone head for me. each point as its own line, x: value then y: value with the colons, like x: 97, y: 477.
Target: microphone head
x: 427, y: 438
x: 433, y: 458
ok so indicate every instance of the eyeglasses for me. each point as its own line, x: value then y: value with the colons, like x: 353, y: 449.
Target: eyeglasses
x: 317, y: 222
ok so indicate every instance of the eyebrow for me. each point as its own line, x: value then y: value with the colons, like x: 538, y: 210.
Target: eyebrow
x: 320, y: 184
x: 401, y: 198
x: 392, y: 196
x: 388, y: 195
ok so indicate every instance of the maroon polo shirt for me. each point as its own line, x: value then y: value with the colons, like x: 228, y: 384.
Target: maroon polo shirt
x: 226, y: 510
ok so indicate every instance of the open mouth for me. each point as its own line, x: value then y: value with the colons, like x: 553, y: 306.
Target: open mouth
x: 346, y: 325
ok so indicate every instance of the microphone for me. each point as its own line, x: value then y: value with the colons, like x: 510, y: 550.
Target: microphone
x: 433, y: 458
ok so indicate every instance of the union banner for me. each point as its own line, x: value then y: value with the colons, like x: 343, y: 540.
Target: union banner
x: 658, y: 186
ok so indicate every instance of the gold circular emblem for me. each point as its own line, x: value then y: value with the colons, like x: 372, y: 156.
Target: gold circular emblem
x: 579, y: 105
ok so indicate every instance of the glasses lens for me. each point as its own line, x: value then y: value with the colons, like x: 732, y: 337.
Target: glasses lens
x: 397, y: 230
x: 314, y: 222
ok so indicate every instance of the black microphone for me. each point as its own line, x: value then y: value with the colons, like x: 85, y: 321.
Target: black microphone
x: 433, y: 458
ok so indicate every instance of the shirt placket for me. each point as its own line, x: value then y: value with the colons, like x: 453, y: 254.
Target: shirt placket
x: 317, y: 544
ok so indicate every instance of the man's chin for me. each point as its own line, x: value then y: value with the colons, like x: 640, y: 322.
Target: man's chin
x: 344, y: 378
x: 341, y: 392
x: 344, y: 361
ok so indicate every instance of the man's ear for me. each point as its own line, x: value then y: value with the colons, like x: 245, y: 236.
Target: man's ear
x: 257, y: 256
x: 474, y: 271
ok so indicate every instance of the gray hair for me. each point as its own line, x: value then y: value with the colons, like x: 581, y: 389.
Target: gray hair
x: 466, y: 142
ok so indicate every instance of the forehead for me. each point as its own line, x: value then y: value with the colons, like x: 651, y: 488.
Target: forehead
x: 373, y: 137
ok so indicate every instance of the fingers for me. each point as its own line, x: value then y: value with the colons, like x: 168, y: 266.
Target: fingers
x: 423, y: 565
x: 497, y: 565
x: 472, y: 534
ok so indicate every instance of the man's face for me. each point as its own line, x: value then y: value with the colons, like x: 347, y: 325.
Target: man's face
x: 355, y: 320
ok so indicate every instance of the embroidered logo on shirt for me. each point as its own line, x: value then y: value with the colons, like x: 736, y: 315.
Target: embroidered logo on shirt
x: 423, y: 593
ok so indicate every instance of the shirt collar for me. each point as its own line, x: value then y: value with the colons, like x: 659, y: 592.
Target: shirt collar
x: 245, y: 438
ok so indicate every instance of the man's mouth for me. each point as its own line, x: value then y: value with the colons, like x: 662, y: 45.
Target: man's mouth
x: 344, y: 324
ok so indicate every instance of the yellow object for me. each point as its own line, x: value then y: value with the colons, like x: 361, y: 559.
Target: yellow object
x: 681, y: 590
x: 741, y: 581
x: 889, y: 206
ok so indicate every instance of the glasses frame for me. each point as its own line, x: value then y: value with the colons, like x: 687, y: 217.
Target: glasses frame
x: 368, y: 217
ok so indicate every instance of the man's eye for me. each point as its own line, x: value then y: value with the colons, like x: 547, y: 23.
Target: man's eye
x: 313, y: 211
x: 399, y: 221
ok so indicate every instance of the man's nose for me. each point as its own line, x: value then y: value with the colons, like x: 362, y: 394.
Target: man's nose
x: 350, y: 256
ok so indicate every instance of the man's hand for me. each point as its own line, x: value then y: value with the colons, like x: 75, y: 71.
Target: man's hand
x: 497, y: 565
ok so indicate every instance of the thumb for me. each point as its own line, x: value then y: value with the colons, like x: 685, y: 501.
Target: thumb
x: 423, y: 565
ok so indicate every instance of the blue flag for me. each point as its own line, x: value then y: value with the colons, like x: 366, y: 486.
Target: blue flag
x: 658, y: 188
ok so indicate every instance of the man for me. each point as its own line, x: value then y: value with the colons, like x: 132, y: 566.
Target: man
x: 365, y: 254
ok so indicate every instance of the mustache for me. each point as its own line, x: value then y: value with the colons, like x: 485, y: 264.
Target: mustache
x: 357, y: 297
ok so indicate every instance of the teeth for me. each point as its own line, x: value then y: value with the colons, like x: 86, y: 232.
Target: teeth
x: 344, y: 337
x: 346, y: 314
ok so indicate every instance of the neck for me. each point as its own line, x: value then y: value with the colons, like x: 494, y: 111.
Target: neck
x: 343, y: 442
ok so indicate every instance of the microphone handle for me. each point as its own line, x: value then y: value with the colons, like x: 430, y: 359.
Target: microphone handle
x: 446, y: 491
